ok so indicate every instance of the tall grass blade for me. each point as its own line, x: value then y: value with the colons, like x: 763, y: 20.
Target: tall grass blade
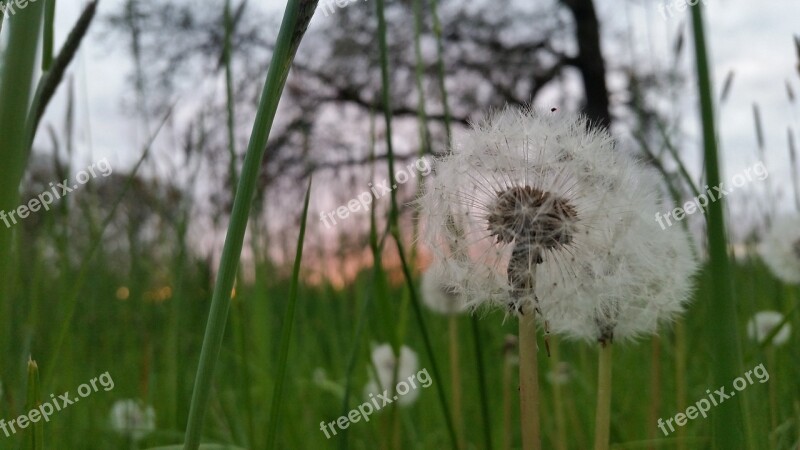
x: 728, y: 423
x: 16, y: 82
x: 482, y: 383
x: 286, y: 335
x: 295, y: 22
x: 49, y: 36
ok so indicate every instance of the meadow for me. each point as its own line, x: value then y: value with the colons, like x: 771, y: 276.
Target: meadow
x: 105, y: 297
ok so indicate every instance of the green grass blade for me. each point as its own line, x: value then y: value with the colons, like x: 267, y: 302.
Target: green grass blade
x: 286, y: 335
x: 16, y: 81
x: 52, y: 79
x: 227, y: 54
x: 49, y: 37
x: 34, y: 437
x: 678, y: 160
x: 295, y: 21
x: 482, y: 383
x: 728, y: 422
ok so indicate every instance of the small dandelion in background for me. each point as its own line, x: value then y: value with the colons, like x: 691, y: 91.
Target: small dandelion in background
x: 780, y: 249
x: 764, y: 323
x: 561, y: 374
x: 442, y: 296
x: 131, y: 419
x: 385, y: 363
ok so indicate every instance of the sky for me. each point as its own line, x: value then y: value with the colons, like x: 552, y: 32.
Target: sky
x: 752, y: 39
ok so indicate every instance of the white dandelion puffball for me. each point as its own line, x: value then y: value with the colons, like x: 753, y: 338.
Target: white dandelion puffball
x: 763, y: 323
x: 438, y: 293
x: 780, y: 249
x: 130, y: 418
x: 537, y: 211
x: 384, y: 360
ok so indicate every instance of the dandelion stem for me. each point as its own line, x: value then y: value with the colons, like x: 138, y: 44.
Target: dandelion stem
x: 529, y: 381
x: 603, y: 416
x: 455, y: 378
x: 558, y: 403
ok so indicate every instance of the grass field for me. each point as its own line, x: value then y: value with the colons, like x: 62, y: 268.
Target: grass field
x: 113, y: 307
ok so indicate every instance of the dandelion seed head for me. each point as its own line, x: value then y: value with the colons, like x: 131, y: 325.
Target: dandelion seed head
x: 539, y: 211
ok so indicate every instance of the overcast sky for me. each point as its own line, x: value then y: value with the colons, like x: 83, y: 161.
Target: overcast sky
x: 753, y: 39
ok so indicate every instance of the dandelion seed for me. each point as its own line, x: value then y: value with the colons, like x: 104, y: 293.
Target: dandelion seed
x: 780, y: 249
x: 763, y: 323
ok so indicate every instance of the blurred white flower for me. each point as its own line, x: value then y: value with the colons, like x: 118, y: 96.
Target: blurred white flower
x: 130, y: 418
x: 763, y: 323
x: 780, y: 249
x: 552, y: 217
x: 438, y: 293
x: 561, y: 374
x: 384, y: 361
